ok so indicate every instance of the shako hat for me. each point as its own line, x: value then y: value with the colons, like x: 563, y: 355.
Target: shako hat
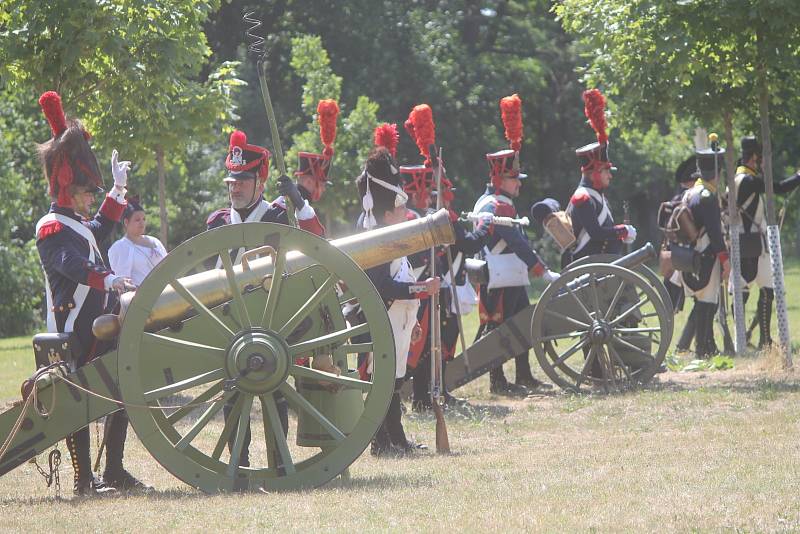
x: 318, y: 165
x: 67, y: 158
x: 505, y: 163
x: 246, y: 161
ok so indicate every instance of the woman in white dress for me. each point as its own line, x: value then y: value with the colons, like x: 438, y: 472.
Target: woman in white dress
x: 135, y: 254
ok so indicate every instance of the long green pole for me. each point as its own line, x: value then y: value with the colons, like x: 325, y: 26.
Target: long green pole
x: 280, y: 164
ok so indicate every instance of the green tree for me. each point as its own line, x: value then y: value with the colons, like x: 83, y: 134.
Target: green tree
x: 129, y: 68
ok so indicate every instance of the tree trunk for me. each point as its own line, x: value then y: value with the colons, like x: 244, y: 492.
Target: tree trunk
x: 734, y: 229
x: 162, y: 195
x: 773, y: 232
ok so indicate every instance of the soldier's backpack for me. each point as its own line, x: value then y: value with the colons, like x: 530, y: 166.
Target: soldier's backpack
x: 680, y: 233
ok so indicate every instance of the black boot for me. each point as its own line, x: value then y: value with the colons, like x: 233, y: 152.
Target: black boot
x: 85, y: 484
x: 765, y: 297
x: 524, y: 375
x: 115, y: 474
x: 685, y: 341
x: 420, y: 390
x: 704, y: 337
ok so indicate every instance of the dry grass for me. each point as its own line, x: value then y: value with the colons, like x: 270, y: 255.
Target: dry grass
x: 694, y: 451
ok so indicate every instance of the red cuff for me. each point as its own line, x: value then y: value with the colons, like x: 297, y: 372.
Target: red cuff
x: 622, y: 231
x: 112, y: 209
x: 538, y: 269
x: 97, y: 279
x: 312, y: 225
x: 418, y: 291
x: 723, y: 257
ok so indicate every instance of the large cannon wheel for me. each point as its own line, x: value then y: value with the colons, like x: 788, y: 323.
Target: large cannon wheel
x: 601, y: 326
x: 247, y: 354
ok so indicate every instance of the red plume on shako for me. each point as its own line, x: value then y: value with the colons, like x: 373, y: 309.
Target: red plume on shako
x: 418, y: 179
x: 318, y: 165
x: 505, y: 163
x: 386, y: 135
x: 594, y: 156
x: 67, y: 158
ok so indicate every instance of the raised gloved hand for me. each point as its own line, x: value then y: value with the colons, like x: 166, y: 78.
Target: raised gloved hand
x: 630, y: 235
x: 288, y: 189
x: 550, y: 276
x: 119, y: 170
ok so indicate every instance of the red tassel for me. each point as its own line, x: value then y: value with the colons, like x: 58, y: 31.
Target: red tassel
x: 50, y: 103
x: 511, y: 113
x: 421, y: 118
x: 238, y: 138
x: 327, y: 113
x: 386, y: 135
x: 595, y: 110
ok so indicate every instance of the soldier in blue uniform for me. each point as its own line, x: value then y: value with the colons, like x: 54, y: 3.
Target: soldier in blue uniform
x: 704, y: 286
x: 384, y: 203
x: 248, y: 166
x: 592, y: 221
x: 496, y: 305
x: 77, y: 280
x: 685, y: 176
x: 755, y: 261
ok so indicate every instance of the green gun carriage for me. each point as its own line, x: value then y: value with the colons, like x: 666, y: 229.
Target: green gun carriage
x: 606, y: 323
x: 193, y: 339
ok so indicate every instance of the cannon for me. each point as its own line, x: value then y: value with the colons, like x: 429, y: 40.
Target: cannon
x: 193, y: 339
x: 607, y: 323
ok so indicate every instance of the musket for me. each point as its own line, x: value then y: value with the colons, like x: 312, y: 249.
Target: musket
x: 722, y: 309
x: 256, y: 45
x: 442, y: 439
x: 496, y: 220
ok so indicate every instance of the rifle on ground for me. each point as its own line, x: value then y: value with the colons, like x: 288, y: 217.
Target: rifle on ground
x: 722, y: 308
x: 442, y: 439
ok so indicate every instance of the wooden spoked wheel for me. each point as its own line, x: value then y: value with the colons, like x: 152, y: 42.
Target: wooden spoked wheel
x: 247, y: 356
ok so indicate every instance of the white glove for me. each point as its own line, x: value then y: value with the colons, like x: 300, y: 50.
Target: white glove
x: 119, y: 170
x: 550, y: 277
x: 631, y: 237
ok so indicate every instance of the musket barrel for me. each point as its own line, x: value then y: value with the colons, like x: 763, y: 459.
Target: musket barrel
x: 367, y: 249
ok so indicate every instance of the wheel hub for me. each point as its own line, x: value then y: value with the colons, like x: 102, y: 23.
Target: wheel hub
x: 600, y: 332
x: 258, y: 361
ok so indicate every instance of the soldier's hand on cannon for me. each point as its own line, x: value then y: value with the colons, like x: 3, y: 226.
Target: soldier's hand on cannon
x: 288, y: 189
x: 630, y: 235
x: 550, y: 276
x: 122, y: 284
x: 119, y: 170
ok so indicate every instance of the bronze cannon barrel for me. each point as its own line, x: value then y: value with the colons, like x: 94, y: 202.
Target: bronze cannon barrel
x: 367, y: 249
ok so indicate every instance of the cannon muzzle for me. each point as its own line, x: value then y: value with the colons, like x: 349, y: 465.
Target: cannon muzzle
x: 368, y: 249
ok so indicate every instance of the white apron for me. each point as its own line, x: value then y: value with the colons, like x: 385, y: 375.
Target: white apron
x: 402, y: 316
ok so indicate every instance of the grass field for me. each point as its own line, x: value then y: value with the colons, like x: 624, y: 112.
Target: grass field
x: 693, y: 451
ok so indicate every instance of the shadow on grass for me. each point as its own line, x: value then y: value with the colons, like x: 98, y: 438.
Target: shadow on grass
x: 384, y: 481
x: 739, y: 385
x: 468, y: 411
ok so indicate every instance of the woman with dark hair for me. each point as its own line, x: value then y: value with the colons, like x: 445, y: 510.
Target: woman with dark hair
x: 135, y: 254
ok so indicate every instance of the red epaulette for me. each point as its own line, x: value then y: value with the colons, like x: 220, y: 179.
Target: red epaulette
x: 224, y: 214
x: 580, y: 197
x: 501, y: 209
x: 48, y: 229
